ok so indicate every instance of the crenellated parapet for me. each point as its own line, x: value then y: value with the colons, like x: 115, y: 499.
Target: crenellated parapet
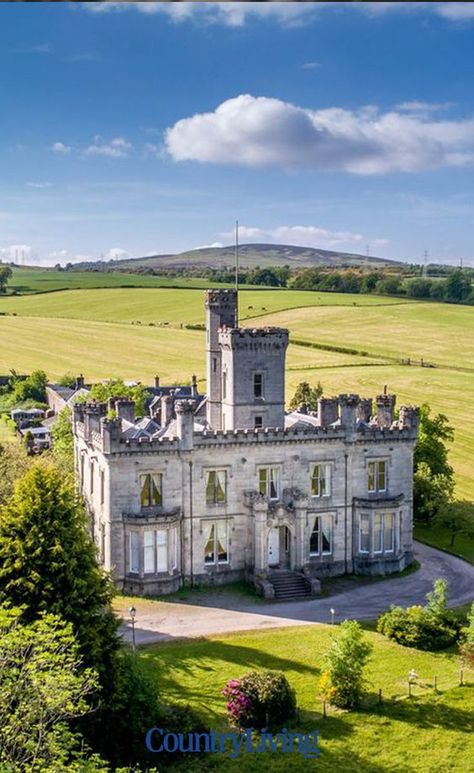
x: 251, y: 338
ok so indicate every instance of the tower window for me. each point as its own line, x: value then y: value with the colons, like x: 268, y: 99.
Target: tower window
x: 224, y: 384
x: 258, y: 385
x: 258, y: 422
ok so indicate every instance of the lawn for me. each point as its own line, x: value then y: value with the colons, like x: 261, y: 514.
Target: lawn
x: 441, y: 538
x: 429, y: 732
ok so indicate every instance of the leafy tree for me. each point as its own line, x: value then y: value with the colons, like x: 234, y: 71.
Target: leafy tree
x: 419, y: 288
x: 466, y: 650
x: 437, y: 599
x: 342, y: 680
x: 458, y: 286
x: 48, y: 562
x: 67, y: 381
x: 433, y: 475
x: 31, y: 388
x: 5, y: 275
x: 116, y: 388
x: 390, y: 285
x: 456, y: 517
x: 306, y: 395
x: 14, y: 462
x: 43, y: 685
x: 63, y: 440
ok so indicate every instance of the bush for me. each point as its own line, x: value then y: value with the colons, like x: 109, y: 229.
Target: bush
x: 342, y: 680
x: 417, y: 627
x: 466, y: 649
x: 260, y: 699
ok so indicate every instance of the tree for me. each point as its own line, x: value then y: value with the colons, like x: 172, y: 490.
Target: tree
x: 14, y: 462
x: 466, y: 650
x: 433, y: 475
x: 63, y: 440
x: 458, y: 286
x: 43, y: 685
x: 5, y: 275
x: 117, y: 388
x: 437, y: 599
x: 48, y: 562
x: 31, y: 388
x: 306, y: 395
x: 342, y: 680
x: 390, y: 285
x: 456, y: 517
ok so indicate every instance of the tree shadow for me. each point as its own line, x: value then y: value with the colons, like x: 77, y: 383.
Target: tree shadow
x: 423, y: 712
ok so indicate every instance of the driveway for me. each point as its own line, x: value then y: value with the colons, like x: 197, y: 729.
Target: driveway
x: 217, y: 613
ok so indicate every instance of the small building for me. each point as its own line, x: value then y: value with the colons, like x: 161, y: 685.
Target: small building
x: 40, y: 438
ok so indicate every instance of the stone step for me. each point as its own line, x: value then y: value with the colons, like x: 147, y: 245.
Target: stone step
x: 289, y: 585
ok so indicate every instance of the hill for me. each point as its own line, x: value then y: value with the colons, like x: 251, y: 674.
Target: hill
x: 250, y: 256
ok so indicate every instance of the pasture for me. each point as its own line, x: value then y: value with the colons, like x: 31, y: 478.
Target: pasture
x: 137, y: 332
x: 428, y: 732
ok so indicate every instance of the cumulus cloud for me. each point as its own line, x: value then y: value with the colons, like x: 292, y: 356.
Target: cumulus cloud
x: 261, y: 131
x: 60, y: 147
x: 212, y: 246
x: 305, y: 236
x: 310, y: 66
x: 116, y: 148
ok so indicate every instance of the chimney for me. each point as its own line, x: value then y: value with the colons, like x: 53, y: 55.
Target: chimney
x: 125, y: 409
x: 93, y: 412
x: 385, y: 409
x: 166, y: 410
x: 349, y: 404
x: 364, y: 409
x: 185, y: 423
x: 409, y: 417
x: 194, y: 386
x: 157, y: 382
x: 327, y: 411
x: 80, y: 382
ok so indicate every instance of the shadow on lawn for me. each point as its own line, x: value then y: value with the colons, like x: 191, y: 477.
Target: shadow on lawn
x: 426, y: 714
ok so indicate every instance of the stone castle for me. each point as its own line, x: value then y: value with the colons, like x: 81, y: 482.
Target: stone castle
x: 227, y: 486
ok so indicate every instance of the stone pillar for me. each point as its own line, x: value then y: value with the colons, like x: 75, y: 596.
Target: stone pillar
x: 409, y: 417
x: 157, y: 382
x: 260, y: 513
x: 348, y: 405
x: 166, y: 410
x: 185, y: 423
x: 364, y: 409
x: 194, y: 386
x: 298, y: 560
x: 327, y: 411
x: 385, y: 410
x: 125, y: 409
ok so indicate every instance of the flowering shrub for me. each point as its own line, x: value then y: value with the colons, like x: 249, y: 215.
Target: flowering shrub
x: 259, y: 699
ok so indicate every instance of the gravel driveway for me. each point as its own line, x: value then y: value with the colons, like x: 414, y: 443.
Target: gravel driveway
x: 215, y: 614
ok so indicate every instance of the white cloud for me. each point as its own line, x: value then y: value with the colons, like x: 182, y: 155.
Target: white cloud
x: 310, y: 66
x: 40, y: 48
x: 261, y: 131
x: 230, y: 14
x: 32, y: 184
x: 116, y: 148
x: 305, y: 236
x: 416, y: 106
x: 116, y: 253
x: 455, y: 11
x: 212, y: 246
x: 17, y: 253
x: 60, y: 147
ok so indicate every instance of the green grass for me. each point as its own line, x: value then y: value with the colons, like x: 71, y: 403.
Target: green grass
x: 429, y: 732
x: 7, y: 435
x: 441, y: 538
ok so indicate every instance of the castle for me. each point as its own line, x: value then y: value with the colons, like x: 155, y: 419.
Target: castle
x: 230, y: 486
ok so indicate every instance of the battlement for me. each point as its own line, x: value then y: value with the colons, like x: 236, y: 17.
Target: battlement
x: 247, y: 337
x: 219, y: 298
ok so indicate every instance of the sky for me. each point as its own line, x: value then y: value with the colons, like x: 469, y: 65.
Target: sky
x: 130, y: 129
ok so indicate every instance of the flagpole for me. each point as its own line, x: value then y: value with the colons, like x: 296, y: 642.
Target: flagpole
x: 237, y: 273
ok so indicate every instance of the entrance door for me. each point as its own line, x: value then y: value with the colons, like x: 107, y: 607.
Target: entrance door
x: 274, y: 547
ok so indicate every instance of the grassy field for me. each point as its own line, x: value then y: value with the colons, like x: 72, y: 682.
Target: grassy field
x: 137, y: 332
x: 428, y: 732
x: 441, y: 538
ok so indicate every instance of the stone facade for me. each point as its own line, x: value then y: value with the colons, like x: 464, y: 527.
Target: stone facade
x: 197, y: 502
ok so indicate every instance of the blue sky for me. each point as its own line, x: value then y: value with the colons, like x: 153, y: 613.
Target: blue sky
x: 131, y: 129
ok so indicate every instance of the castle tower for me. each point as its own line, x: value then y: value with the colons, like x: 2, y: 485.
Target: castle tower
x: 221, y: 311
x: 253, y: 377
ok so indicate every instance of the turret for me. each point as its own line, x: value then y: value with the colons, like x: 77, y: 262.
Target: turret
x: 221, y: 312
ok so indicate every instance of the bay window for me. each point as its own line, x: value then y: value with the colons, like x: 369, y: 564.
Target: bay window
x: 377, y: 533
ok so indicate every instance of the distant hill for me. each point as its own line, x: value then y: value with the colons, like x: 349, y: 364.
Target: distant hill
x: 250, y: 256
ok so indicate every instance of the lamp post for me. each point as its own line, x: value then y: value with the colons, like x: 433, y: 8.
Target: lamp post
x: 132, y: 612
x: 333, y: 612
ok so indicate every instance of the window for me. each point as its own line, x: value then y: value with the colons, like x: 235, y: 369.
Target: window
x: 224, y: 384
x: 91, y: 482
x: 82, y: 469
x: 257, y: 385
x: 162, y: 550
x: 102, y: 541
x: 151, y: 489
x: 102, y: 487
x: 377, y: 476
x: 321, y: 480
x: 382, y: 539
x: 148, y: 552
x: 216, y: 487
x: 320, y: 541
x: 134, y: 552
x: 364, y: 533
x: 174, y: 548
x: 215, y: 549
x: 258, y: 422
x: 269, y: 482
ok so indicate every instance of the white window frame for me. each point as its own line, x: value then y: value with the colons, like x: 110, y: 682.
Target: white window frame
x: 365, y: 517
x: 134, y: 547
x: 326, y: 478
x: 152, y: 476
x: 321, y: 519
x: 208, y: 526
x: 268, y: 470
x: 149, y: 551
x: 375, y: 463
x: 216, y: 472
x: 260, y: 396
x: 380, y: 549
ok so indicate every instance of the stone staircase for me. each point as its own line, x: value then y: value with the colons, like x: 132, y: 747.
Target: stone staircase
x: 289, y: 586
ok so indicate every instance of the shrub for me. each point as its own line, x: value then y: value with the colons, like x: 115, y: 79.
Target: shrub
x: 260, y: 699
x: 417, y: 627
x: 342, y: 679
x: 466, y: 649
